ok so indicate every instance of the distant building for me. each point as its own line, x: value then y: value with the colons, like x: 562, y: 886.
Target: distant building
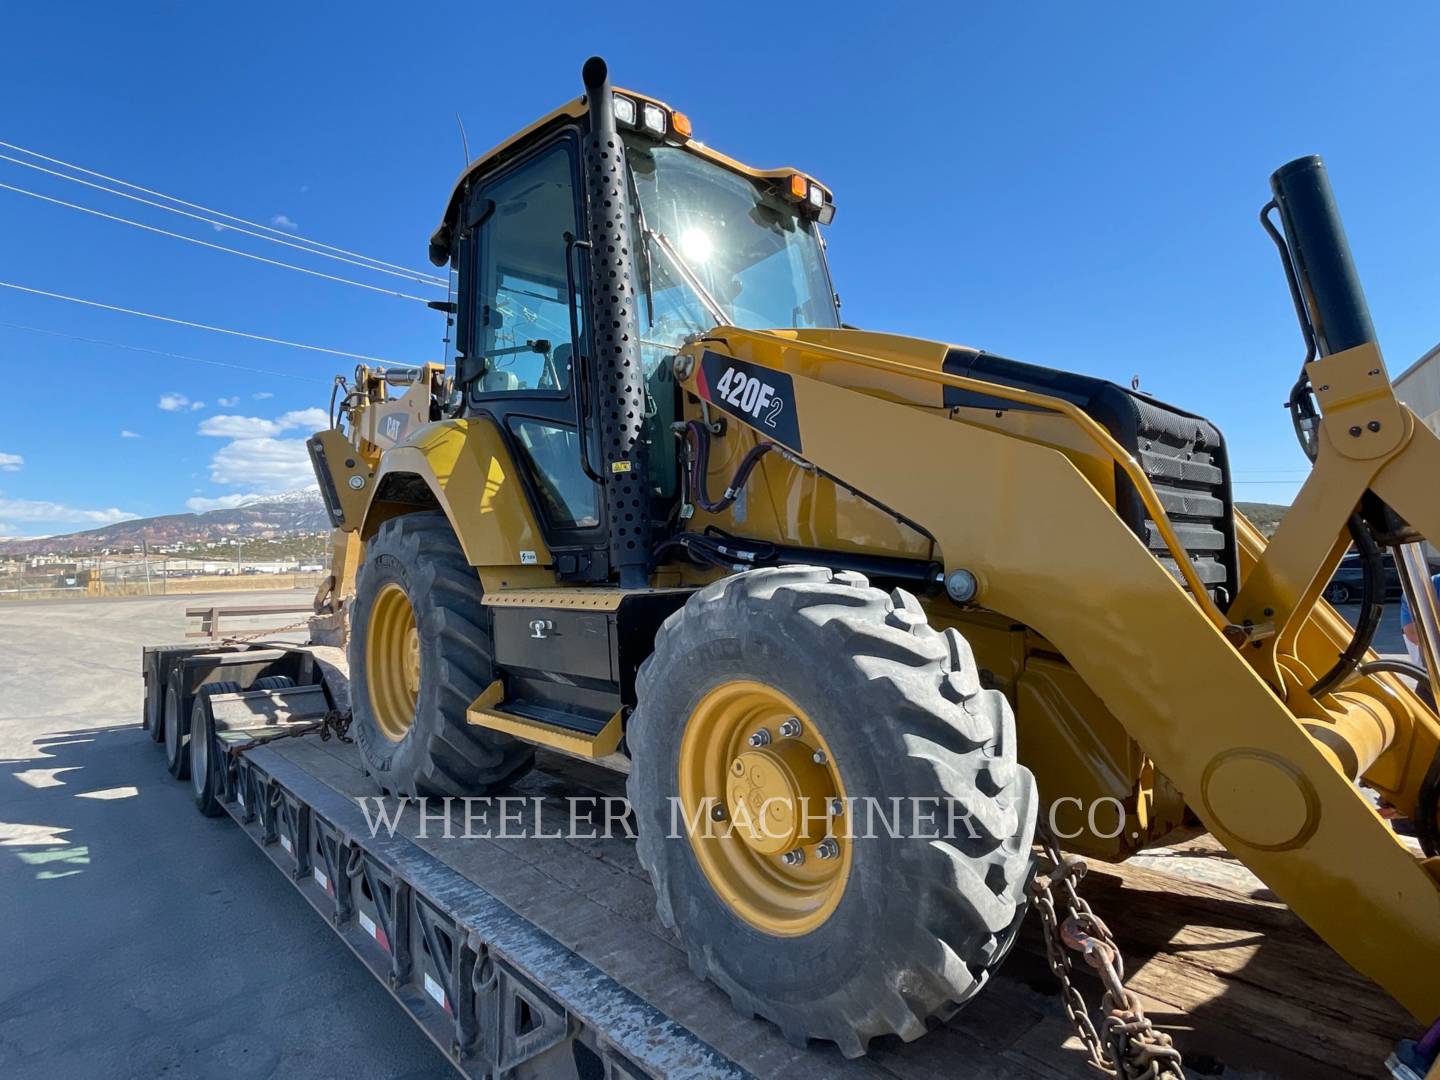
x: 1419, y: 387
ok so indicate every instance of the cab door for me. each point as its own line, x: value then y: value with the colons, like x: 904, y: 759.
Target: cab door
x: 520, y: 339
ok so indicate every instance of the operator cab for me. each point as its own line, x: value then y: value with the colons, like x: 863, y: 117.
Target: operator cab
x: 715, y: 243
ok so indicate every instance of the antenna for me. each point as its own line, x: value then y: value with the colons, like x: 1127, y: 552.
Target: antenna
x: 464, y: 142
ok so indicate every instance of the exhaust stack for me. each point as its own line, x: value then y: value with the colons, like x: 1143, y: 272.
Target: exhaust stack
x: 617, y: 390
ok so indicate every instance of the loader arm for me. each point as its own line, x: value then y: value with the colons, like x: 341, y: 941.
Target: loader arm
x: 1161, y: 660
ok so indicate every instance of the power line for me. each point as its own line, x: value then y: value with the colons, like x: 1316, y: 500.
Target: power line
x: 408, y: 275
x: 161, y: 352
x: 200, y: 326
x: 208, y: 210
x: 208, y: 244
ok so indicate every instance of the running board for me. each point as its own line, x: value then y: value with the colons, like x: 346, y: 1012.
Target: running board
x: 484, y: 712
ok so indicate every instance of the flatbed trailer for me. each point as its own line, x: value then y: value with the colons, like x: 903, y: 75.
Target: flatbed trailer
x: 544, y: 957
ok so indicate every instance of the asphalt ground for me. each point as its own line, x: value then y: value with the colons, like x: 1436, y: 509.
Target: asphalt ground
x: 138, y: 938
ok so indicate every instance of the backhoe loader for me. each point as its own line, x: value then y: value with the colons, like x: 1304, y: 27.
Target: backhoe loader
x: 663, y: 511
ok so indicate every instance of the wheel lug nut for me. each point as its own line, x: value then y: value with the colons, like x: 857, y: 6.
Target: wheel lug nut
x: 793, y: 858
x: 818, y: 757
x: 791, y: 727
x: 837, y: 807
x: 717, y: 813
x: 829, y: 848
x: 760, y: 738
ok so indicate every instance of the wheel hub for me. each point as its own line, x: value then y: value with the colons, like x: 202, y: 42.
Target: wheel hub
x: 392, y: 657
x: 774, y: 794
x: 758, y: 768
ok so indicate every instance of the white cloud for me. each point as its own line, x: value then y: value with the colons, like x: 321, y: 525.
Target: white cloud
x: 225, y: 426
x: 227, y: 402
x: 126, y: 433
x: 199, y: 505
x: 173, y: 402
x: 309, y: 419
x: 263, y: 464
x: 280, y: 221
x: 196, y: 405
x: 238, y: 427
x: 262, y: 395
x: 30, y: 510
x: 14, y: 462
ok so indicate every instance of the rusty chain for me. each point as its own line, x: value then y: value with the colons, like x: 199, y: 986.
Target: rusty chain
x: 1126, y: 1045
x: 240, y: 639
x: 334, y: 724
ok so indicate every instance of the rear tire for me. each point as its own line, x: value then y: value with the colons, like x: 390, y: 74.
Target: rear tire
x: 177, y: 723
x: 921, y: 920
x: 153, y: 721
x: 434, y: 751
x: 205, y: 760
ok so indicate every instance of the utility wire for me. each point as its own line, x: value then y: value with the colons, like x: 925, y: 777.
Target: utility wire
x: 408, y: 275
x: 201, y: 326
x: 218, y: 213
x: 161, y: 352
x: 208, y: 244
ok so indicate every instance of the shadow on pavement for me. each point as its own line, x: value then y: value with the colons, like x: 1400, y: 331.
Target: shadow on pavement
x: 140, y: 938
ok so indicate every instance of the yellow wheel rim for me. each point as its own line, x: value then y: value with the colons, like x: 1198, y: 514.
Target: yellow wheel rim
x: 392, y: 660
x: 765, y: 831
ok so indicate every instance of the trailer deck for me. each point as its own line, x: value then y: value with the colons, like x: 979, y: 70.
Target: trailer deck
x: 542, y: 954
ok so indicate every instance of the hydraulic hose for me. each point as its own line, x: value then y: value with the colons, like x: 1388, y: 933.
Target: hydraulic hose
x: 700, y: 469
x: 1372, y: 607
x: 1394, y: 667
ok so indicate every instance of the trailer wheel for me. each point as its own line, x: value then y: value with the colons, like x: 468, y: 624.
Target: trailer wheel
x: 153, y: 721
x: 177, y: 723
x: 205, y: 760
x: 771, y: 695
x: 419, y: 655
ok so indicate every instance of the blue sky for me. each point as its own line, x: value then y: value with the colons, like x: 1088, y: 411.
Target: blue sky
x: 1074, y: 185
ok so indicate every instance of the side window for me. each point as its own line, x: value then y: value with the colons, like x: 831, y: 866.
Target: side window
x: 522, y: 312
x: 569, y: 498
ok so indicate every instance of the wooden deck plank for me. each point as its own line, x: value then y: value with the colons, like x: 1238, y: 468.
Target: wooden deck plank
x: 1239, y: 981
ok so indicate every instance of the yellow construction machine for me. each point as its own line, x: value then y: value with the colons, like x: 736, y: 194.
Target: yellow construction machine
x: 662, y: 510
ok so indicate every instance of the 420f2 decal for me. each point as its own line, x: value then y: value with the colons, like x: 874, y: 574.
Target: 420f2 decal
x: 762, y: 397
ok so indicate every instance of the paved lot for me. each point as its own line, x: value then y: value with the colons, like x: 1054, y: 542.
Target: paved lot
x: 137, y: 938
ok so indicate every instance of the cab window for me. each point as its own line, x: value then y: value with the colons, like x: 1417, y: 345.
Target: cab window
x: 523, y: 313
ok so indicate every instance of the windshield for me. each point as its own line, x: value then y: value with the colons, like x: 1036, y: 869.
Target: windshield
x: 744, y: 250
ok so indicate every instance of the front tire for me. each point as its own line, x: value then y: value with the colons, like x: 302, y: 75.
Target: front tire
x: 418, y: 657
x: 919, y: 920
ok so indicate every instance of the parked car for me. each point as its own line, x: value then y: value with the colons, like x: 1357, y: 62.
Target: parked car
x: 1347, y: 585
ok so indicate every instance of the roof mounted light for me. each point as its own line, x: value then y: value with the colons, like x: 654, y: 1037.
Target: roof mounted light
x: 625, y: 109
x: 655, y: 120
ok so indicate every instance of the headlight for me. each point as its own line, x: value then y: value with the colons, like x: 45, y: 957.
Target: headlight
x: 654, y: 118
x: 625, y: 110
x: 817, y: 196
